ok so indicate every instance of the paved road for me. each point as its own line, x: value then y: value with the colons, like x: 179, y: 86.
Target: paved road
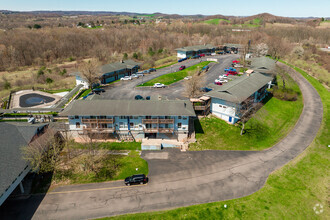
x: 178, y: 178
x: 128, y: 89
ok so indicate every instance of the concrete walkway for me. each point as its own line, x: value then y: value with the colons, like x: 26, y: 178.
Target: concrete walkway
x: 178, y: 179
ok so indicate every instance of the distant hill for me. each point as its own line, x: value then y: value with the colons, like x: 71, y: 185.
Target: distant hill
x: 269, y: 18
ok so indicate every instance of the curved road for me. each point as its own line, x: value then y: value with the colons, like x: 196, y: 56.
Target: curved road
x: 181, y: 178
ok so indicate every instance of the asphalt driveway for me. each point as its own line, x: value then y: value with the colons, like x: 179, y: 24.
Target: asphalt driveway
x: 128, y: 89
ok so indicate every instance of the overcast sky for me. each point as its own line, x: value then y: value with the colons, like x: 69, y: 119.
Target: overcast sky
x: 290, y: 8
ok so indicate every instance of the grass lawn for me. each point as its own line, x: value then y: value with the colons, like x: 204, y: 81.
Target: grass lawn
x: 176, y: 76
x: 86, y: 92
x: 216, y: 21
x: 110, y: 167
x: 289, y: 193
x: 114, y: 146
x: 271, y: 123
x: 57, y: 91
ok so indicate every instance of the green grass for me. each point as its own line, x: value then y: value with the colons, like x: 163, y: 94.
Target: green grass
x: 86, y: 92
x: 271, y: 123
x: 216, y: 21
x: 114, y: 146
x: 176, y: 76
x: 114, y: 167
x: 57, y: 91
x: 289, y: 193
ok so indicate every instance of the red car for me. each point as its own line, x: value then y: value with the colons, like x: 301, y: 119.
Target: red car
x: 202, y: 55
x: 232, y: 72
x: 182, y: 67
x: 218, y: 83
x: 236, y: 61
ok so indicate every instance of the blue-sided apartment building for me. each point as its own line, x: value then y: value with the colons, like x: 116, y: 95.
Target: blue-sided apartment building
x: 228, y: 100
x: 112, y: 72
x: 190, y: 51
x: 130, y: 119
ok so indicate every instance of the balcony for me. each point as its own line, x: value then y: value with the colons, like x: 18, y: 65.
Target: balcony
x: 201, y: 107
x: 157, y: 121
x: 99, y: 130
x: 158, y: 130
x: 97, y: 121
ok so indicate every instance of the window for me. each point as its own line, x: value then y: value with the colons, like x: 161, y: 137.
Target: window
x: 77, y: 125
x: 184, y: 118
x: 220, y: 106
x: 123, y: 117
x: 179, y: 117
x: 131, y: 125
x: 121, y: 125
x: 102, y: 117
x: 76, y: 117
x: 179, y: 125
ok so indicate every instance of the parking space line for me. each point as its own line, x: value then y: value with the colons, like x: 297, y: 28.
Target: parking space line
x: 86, y: 190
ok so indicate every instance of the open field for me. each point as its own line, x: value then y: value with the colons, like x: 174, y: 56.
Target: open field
x: 216, y: 21
x: 272, y: 122
x: 289, y: 193
x: 176, y: 76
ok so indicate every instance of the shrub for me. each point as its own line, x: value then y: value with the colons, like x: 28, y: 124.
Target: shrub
x: 49, y: 81
x: 40, y: 72
x: 6, y: 85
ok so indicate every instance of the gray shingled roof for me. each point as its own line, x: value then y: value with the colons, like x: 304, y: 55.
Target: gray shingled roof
x: 263, y: 65
x: 13, y: 136
x: 111, y: 67
x: 240, y: 89
x: 196, y: 48
x: 130, y: 108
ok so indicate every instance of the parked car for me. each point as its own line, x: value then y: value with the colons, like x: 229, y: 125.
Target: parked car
x: 145, y: 71
x: 95, y: 85
x: 187, y: 77
x: 205, y: 89
x: 202, y: 55
x: 183, y: 59
x: 126, y: 78
x: 221, y: 80
x: 220, y: 52
x: 205, y: 68
x: 136, y: 179
x: 230, y: 69
x: 236, y: 61
x: 182, y: 67
x: 231, y: 72
x: 98, y: 90
x: 218, y: 83
x: 152, y: 70
x: 196, y: 56
x: 134, y: 76
x: 139, y: 74
x: 159, y: 85
x: 138, y: 97
x: 147, y: 97
x: 223, y: 76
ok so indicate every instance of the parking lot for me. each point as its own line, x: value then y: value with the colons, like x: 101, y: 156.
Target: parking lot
x: 128, y: 89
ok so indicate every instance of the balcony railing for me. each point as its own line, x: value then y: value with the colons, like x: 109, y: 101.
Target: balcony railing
x: 97, y: 121
x: 201, y: 107
x: 157, y: 121
x: 158, y: 130
x: 99, y: 130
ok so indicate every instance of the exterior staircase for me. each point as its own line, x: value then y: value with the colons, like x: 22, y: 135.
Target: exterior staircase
x: 125, y: 136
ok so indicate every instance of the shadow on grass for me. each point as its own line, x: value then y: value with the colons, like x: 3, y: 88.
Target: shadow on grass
x: 198, y: 127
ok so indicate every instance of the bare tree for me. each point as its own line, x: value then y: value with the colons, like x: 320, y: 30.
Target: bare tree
x: 261, y: 49
x: 246, y: 110
x: 90, y: 71
x: 42, y: 153
x: 193, y: 85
